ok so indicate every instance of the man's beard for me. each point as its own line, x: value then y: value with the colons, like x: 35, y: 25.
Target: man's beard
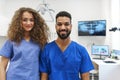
x: 64, y: 36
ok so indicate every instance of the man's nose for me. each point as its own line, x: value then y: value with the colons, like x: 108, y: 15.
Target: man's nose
x: 63, y: 26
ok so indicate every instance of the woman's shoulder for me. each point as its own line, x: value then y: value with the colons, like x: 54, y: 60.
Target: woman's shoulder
x: 8, y: 41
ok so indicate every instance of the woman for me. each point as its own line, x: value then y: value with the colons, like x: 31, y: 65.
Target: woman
x: 27, y: 35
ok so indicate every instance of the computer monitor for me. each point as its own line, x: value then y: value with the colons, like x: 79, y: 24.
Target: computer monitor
x: 100, y: 50
x: 116, y: 52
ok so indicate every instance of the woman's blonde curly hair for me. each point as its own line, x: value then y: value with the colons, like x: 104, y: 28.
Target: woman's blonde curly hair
x: 39, y: 33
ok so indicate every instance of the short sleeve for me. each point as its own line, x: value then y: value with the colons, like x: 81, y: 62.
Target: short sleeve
x: 86, y: 63
x: 7, y: 49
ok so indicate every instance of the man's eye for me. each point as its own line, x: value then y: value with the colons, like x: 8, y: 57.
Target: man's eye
x: 67, y: 24
x: 59, y: 24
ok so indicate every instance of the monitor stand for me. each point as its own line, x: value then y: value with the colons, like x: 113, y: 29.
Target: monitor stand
x: 99, y: 58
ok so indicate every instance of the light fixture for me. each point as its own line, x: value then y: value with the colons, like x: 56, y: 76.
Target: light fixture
x: 45, y: 11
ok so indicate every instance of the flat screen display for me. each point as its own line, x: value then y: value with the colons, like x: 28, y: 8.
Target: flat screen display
x: 116, y: 52
x: 92, y: 28
x: 101, y: 50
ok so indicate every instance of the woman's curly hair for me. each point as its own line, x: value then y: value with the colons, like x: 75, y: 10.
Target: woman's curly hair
x: 39, y: 33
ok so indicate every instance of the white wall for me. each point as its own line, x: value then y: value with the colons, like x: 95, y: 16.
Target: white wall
x: 79, y: 9
x: 2, y: 40
x: 115, y: 17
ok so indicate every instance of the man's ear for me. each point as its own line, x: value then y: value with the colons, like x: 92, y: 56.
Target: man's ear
x: 55, y: 26
x: 71, y: 25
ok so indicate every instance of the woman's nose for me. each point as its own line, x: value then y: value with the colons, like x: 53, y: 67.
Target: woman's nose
x: 28, y: 22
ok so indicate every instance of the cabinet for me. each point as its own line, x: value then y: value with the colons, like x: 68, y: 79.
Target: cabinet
x: 108, y: 71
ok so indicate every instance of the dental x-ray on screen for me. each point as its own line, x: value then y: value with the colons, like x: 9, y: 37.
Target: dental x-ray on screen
x: 92, y: 28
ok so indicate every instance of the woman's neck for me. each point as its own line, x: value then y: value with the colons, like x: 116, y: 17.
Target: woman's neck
x: 27, y: 36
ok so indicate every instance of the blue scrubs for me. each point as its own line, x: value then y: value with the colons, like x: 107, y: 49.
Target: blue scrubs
x: 24, y: 60
x: 65, y: 65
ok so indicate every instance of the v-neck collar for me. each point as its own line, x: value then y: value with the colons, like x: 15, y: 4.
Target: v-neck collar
x: 63, y: 52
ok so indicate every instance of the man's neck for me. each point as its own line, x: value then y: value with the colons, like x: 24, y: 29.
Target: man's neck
x: 63, y: 43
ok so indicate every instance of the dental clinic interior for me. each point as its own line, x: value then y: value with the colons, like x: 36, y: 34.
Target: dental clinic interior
x: 95, y: 25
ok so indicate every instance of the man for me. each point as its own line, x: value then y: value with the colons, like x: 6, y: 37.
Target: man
x: 64, y: 59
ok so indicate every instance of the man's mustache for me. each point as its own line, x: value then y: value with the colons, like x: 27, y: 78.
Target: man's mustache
x: 63, y: 30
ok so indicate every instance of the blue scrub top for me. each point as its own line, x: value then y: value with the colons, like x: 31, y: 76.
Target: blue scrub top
x: 65, y: 65
x: 24, y: 60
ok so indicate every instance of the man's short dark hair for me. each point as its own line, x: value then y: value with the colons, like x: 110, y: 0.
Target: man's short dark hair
x: 62, y: 14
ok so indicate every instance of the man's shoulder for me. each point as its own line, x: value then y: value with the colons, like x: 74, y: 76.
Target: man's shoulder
x: 50, y: 43
x: 78, y: 45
